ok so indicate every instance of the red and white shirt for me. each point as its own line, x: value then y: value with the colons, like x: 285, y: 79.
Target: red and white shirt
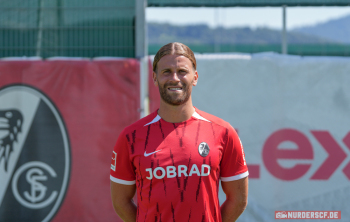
x: 177, y: 166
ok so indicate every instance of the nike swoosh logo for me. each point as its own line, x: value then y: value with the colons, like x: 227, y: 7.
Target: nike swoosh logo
x: 148, y: 154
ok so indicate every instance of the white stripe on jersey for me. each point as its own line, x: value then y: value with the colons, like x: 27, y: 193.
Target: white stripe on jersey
x: 154, y: 120
x: 125, y: 182
x: 197, y: 116
x: 237, y: 177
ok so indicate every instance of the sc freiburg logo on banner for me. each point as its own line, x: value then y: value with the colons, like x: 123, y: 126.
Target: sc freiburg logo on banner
x: 34, y: 155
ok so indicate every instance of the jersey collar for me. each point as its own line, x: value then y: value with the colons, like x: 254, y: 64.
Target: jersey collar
x: 194, y: 115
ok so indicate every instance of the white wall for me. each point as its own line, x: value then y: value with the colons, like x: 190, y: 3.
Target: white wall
x: 265, y: 93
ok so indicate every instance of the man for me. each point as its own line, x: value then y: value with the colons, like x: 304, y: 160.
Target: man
x: 174, y: 158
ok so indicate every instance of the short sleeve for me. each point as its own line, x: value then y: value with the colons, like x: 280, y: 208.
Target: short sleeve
x: 122, y: 170
x: 233, y: 165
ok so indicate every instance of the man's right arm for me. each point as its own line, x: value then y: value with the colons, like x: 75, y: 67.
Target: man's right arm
x: 123, y: 203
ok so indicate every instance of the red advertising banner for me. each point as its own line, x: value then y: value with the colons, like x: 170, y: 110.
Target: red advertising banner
x: 59, y: 121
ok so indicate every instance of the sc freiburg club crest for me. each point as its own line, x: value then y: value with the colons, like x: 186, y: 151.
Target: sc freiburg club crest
x: 34, y: 155
x: 203, y: 149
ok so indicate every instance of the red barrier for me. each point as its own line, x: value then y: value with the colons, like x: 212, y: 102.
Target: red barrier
x: 96, y: 100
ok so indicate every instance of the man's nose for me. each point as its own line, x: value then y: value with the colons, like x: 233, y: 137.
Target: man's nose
x: 175, y: 77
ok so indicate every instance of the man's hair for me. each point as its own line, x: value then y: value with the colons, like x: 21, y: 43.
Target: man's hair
x: 174, y: 48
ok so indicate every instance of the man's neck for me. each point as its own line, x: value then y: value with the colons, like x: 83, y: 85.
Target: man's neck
x: 176, y: 114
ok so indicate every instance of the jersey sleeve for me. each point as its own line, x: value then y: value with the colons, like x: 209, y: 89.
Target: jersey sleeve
x: 122, y: 170
x: 233, y: 164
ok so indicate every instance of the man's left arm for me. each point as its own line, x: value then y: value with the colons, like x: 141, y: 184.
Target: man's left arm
x: 236, y: 199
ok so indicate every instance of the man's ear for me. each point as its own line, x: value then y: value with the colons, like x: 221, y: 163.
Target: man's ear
x: 154, y: 77
x: 195, y: 80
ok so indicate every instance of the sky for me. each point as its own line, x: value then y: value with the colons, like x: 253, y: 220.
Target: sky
x: 270, y: 17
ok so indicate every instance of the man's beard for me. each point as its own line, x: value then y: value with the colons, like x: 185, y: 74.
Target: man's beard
x: 174, y: 99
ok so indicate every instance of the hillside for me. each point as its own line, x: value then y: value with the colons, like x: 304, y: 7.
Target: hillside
x: 203, y: 34
x: 337, y: 30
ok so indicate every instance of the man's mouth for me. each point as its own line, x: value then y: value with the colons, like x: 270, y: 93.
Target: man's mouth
x: 174, y: 88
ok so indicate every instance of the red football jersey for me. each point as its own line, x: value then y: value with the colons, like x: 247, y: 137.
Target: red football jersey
x: 177, y: 166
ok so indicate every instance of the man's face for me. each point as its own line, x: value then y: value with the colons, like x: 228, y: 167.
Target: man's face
x: 175, y: 77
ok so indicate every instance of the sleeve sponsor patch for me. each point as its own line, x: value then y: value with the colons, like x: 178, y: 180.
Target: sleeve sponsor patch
x: 114, y: 160
x: 243, y: 154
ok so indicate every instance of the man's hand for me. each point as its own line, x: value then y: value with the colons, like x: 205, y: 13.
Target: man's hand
x: 122, y: 201
x: 236, y: 199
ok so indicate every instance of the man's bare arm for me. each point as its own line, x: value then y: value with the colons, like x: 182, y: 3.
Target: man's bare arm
x: 123, y: 203
x: 236, y: 199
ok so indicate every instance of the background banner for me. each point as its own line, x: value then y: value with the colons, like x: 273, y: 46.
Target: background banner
x: 59, y: 121
x: 292, y: 115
